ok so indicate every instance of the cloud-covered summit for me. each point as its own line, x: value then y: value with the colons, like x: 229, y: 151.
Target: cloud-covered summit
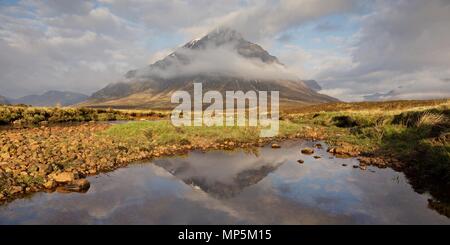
x: 222, y: 52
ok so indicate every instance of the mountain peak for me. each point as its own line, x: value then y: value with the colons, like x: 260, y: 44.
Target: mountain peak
x: 225, y: 34
x: 217, y: 37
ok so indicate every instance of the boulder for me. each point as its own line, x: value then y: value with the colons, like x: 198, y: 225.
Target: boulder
x: 64, y: 177
x: 344, y: 150
x: 45, y: 168
x: 276, y: 146
x: 16, y: 189
x: 79, y: 185
x: 307, y: 151
x: 49, y: 184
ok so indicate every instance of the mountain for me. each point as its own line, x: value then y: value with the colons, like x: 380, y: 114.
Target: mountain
x: 222, y: 60
x: 379, y: 96
x: 312, y: 84
x: 3, y: 100
x: 51, y: 98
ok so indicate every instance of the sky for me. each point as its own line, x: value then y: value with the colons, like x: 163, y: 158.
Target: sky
x: 356, y: 50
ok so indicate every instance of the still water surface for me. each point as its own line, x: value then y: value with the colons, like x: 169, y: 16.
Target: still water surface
x: 269, y: 187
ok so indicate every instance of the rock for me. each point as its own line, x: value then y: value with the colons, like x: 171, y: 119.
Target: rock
x: 45, y: 168
x: 379, y: 162
x: 276, y: 146
x: 79, y: 185
x: 5, y: 156
x: 317, y: 157
x: 362, y: 167
x: 16, y: 189
x: 300, y: 161
x: 344, y: 165
x: 64, y: 177
x: 318, y: 146
x: 33, y: 169
x: 344, y: 149
x: 49, y: 184
x: 355, y: 166
x: 307, y: 151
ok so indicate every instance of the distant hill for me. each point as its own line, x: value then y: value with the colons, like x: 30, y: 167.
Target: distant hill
x: 3, y: 100
x: 51, y: 98
x: 222, y: 60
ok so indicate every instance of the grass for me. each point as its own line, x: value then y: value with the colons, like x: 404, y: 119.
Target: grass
x: 36, y: 115
x: 163, y: 132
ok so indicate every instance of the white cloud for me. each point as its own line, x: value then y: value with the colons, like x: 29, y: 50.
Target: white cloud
x: 262, y: 19
x: 223, y: 60
x: 402, y: 46
x: 65, y: 48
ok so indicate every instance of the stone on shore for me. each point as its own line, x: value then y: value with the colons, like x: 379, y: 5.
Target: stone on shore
x: 49, y: 184
x: 307, y: 151
x: 318, y: 146
x: 64, y: 177
x: 79, y: 185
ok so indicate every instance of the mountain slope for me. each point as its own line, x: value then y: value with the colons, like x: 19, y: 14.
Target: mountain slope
x: 51, y: 98
x: 222, y: 60
x: 312, y: 84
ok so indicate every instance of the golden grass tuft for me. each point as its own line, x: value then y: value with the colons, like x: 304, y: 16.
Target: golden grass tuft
x: 430, y: 119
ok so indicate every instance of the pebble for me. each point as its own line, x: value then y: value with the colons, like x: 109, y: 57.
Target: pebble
x: 276, y: 146
x: 307, y: 151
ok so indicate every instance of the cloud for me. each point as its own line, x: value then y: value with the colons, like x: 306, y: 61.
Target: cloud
x: 326, y: 26
x: 66, y: 46
x: 262, y: 19
x: 82, y: 45
x: 400, y: 44
x: 217, y: 60
x: 171, y: 15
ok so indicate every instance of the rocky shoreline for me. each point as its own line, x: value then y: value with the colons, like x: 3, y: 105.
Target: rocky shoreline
x: 59, y: 158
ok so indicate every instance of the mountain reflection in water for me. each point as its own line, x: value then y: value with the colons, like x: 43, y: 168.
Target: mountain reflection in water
x: 231, y: 173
